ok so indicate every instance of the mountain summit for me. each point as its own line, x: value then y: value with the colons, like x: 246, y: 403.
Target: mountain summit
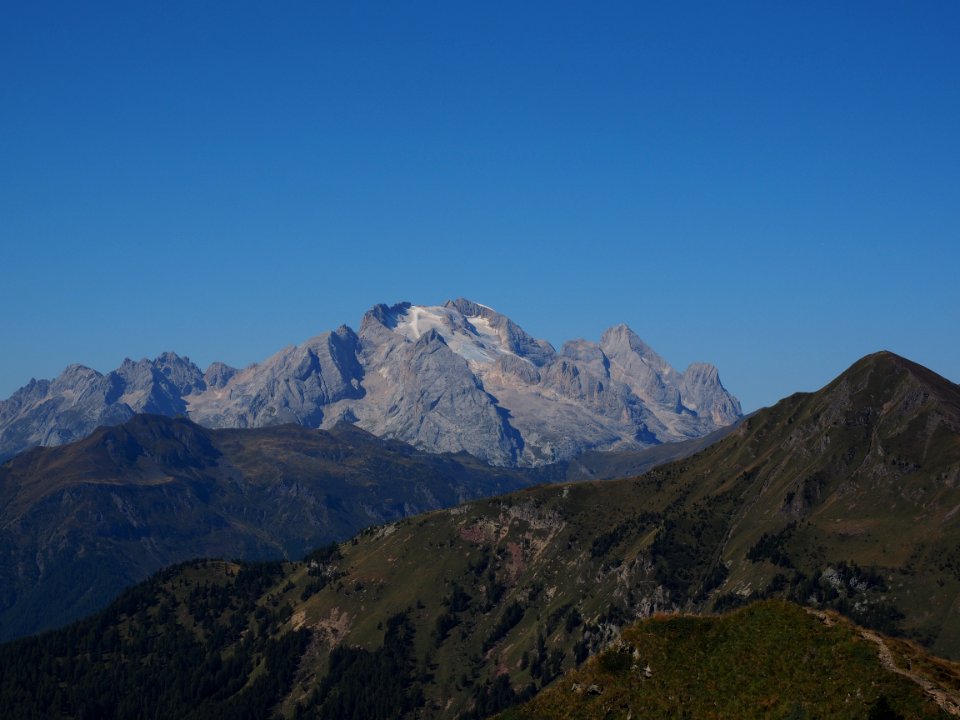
x: 453, y: 377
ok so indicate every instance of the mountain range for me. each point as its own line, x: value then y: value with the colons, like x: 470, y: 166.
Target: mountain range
x: 449, y: 378
x: 844, y: 500
x: 82, y: 521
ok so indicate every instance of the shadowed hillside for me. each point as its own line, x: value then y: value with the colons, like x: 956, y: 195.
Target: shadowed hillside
x: 80, y: 522
x: 843, y: 500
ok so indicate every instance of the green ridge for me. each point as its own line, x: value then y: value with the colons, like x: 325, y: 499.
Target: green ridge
x: 768, y: 660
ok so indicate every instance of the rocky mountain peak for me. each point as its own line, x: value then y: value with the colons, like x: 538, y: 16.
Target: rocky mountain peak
x: 513, y: 338
x: 75, y: 376
x: 345, y: 332
x: 181, y: 372
x: 75, y: 371
x: 383, y: 315
x: 703, y: 370
x: 701, y: 391
x: 218, y: 375
x: 469, y: 308
x: 453, y: 377
x: 620, y: 341
x: 885, y: 381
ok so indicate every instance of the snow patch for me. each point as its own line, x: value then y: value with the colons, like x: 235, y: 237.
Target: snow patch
x: 474, y: 338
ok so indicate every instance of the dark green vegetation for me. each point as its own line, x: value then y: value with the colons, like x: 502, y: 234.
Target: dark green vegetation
x: 843, y: 499
x: 194, y: 642
x: 769, y: 660
x: 80, y: 522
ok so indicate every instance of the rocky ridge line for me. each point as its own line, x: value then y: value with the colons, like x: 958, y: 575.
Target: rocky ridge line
x: 450, y: 378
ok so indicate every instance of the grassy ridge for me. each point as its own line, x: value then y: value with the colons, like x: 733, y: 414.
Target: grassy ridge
x: 768, y: 660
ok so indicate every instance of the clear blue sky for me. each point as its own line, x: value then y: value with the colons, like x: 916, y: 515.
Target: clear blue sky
x: 773, y: 186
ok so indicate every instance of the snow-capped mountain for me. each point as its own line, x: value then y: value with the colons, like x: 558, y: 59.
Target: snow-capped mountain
x: 458, y: 376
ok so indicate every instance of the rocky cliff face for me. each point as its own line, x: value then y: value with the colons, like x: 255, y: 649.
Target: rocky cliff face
x: 292, y: 386
x: 516, y: 399
x: 456, y: 377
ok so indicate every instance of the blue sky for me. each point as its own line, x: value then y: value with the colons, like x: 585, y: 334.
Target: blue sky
x: 772, y: 187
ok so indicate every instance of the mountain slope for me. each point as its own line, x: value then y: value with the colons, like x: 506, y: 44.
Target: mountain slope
x: 863, y: 474
x: 80, y: 522
x: 466, y: 611
x: 533, y: 582
x: 450, y: 378
x: 770, y: 659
